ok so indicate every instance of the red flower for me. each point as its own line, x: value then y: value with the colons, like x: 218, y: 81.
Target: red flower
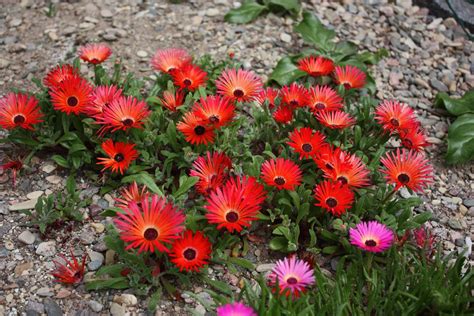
x: 215, y: 110
x: 326, y: 156
x: 414, y: 139
x: 102, y: 97
x: 189, y: 77
x: 69, y: 272
x: 333, y: 197
x: 283, y: 114
x: 191, y: 252
x: 58, y: 74
x: 172, y: 100
x: 15, y: 166
x: 169, y: 59
x: 281, y: 173
x: 350, y: 77
x: 407, y: 168
x: 424, y: 239
x: 131, y: 194
x: 120, y: 155
x: 335, y: 119
x: 94, y: 53
x: 316, y: 66
x: 239, y: 85
x: 211, y: 171
x: 324, y: 98
x: 305, y: 142
x: 19, y: 110
x: 150, y: 225
x: 124, y: 113
x: 195, y: 129
x: 251, y: 189
x: 267, y: 96
x: 72, y: 95
x: 395, y: 116
x: 348, y: 169
x: 294, y: 96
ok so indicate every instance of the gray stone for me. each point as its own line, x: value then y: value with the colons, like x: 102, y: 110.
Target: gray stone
x: 4, y: 63
x: 265, y: 267
x: 212, y: 12
x: 106, y: 13
x: 46, y: 249
x: 27, y: 205
x: 52, y: 308
x: 454, y: 224
x: 15, y: 22
x: 26, y: 237
x: 35, y: 307
x: 54, y: 179
x: 96, y: 260
x: 438, y: 85
x: 95, y: 306
x: 142, y: 54
x: 469, y: 202
x: 126, y: 299
x: 285, y: 37
x: 45, y: 291
x: 34, y: 195
x: 117, y: 309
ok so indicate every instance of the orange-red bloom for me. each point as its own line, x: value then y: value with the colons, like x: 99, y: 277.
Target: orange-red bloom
x: 58, y: 74
x: 414, y: 139
x: 395, y: 116
x: 251, y: 189
x: 305, y: 142
x: 407, y: 168
x: 191, y: 252
x: 95, y: 53
x: 324, y: 98
x: 69, y: 272
x: 15, y: 166
x: 316, y: 66
x: 350, y: 77
x: 172, y: 100
x: 131, y: 194
x: 150, y: 225
x: 283, y: 114
x: 102, y: 97
x: 72, y: 95
x: 239, y: 85
x: 124, y: 113
x: 19, y: 110
x: 215, y: 110
x: 334, y: 197
x: 281, y: 173
x: 189, y: 77
x: 120, y: 155
x: 169, y: 59
x: 335, y: 119
x: 212, y: 171
x: 195, y: 129
x: 267, y: 96
x: 295, y: 95
x: 348, y: 169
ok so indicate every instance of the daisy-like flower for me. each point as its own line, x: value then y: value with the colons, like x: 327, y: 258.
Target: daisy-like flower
x: 350, y: 77
x: 215, y: 110
x: 19, y: 110
x: 235, y: 309
x: 395, y: 116
x: 150, y: 225
x: 95, y: 53
x: 72, y: 95
x: 407, y: 168
x: 281, y: 173
x: 305, y: 142
x: 239, y: 85
x: 371, y: 236
x: 294, y: 95
x: 195, y: 129
x: 250, y: 188
x: 172, y: 100
x: 189, y: 77
x: 58, y: 74
x: 348, y: 170
x: 169, y: 59
x: 292, y: 275
x: 326, y: 156
x: 102, y: 97
x: 414, y: 139
x: 283, y: 114
x: 335, y: 119
x: 120, y: 156
x: 124, y: 113
x: 131, y: 194
x: 333, y: 197
x: 316, y: 66
x: 212, y: 171
x: 324, y: 98
x: 191, y: 252
x: 69, y: 272
x: 267, y: 96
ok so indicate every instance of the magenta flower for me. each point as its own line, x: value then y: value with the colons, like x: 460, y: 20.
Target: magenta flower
x: 292, y: 276
x: 371, y: 236
x: 235, y: 309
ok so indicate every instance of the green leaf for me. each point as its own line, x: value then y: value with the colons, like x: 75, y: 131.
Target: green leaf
x: 456, y: 107
x: 113, y: 283
x: 285, y: 72
x: 422, y: 218
x: 60, y: 161
x: 185, y: 184
x: 278, y: 243
x: 314, y: 32
x: 246, y: 13
x: 218, y: 285
x: 289, y: 5
x: 144, y: 178
x: 243, y: 263
x: 461, y: 140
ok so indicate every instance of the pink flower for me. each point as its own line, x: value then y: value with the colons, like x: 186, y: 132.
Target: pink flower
x: 371, y: 236
x: 292, y: 276
x: 235, y: 309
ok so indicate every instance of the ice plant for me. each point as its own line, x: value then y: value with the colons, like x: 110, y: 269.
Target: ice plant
x: 13, y: 165
x: 324, y: 98
x: 72, y: 96
x: 335, y: 119
x: 212, y: 171
x: 102, y: 97
x: 407, y: 168
x: 189, y: 77
x: 350, y: 77
x: 151, y: 225
x: 281, y: 173
x: 424, y: 239
x: 371, y: 236
x: 414, y: 139
x: 267, y: 96
x: 250, y: 188
x: 283, y: 114
x: 191, y: 251
x: 216, y: 110
x: 239, y: 85
x: 235, y: 309
x: 195, y: 129
x: 69, y: 272
x: 305, y: 142
x: 294, y: 95
x: 334, y: 197
x: 131, y: 194
x: 171, y: 100
x: 316, y: 66
x: 120, y: 156
x: 95, y: 53
x: 19, y: 110
x: 169, y: 59
x: 395, y: 116
x: 124, y: 113
x: 292, y: 276
x: 58, y: 74
x: 348, y: 169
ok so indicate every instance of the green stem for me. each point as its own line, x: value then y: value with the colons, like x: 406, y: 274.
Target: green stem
x: 388, y: 196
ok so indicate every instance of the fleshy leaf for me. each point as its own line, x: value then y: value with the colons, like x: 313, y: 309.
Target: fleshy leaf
x: 456, y: 106
x: 461, y: 140
x: 247, y: 12
x: 314, y: 32
x: 285, y: 72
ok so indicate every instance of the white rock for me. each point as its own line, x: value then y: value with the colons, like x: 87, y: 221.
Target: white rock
x: 126, y: 299
x: 46, y: 249
x: 285, y: 37
x: 26, y: 237
x: 212, y: 12
x: 117, y: 309
x: 48, y: 168
x: 27, y: 205
x: 142, y: 53
x: 54, y: 179
x: 34, y: 195
x: 105, y: 13
x: 265, y: 267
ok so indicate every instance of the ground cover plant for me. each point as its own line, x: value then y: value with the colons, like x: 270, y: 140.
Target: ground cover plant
x: 209, y: 155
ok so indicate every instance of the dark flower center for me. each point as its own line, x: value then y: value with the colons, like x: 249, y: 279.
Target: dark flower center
x: 307, y: 148
x: 19, y: 119
x: 342, y: 179
x: 347, y: 86
x: 214, y: 119
x: 127, y: 122
x: 370, y: 243
x: 232, y: 217
x: 279, y: 180
x: 329, y: 166
x: 187, y: 82
x: 72, y: 101
x: 408, y: 143
x: 95, y: 60
x: 199, y: 130
x: 403, y: 178
x: 78, y: 275
x: 395, y: 122
x: 320, y: 106
x: 294, y: 103
x: 190, y: 254
x: 238, y: 93
x: 150, y: 234
x: 315, y: 73
x: 331, y: 202
x: 291, y: 280
x: 119, y: 157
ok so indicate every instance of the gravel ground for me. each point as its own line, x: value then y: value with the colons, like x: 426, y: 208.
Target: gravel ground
x: 427, y: 55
